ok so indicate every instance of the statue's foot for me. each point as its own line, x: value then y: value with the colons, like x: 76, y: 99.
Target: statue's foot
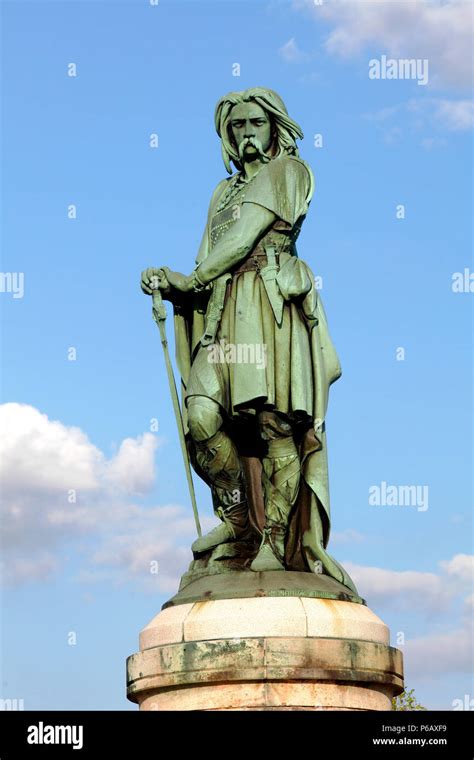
x: 235, y: 525
x: 266, y: 560
x: 218, y: 535
x: 272, y: 549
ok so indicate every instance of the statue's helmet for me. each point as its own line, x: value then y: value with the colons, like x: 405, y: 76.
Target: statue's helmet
x: 285, y: 130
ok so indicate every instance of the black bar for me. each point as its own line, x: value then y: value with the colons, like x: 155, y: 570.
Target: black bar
x: 376, y: 734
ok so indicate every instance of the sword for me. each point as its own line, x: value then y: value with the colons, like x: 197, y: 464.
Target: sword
x: 159, y: 315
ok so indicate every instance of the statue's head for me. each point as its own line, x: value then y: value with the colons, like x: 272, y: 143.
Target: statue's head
x: 254, y: 124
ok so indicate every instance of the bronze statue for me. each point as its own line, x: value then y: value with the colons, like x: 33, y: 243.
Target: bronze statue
x: 254, y: 353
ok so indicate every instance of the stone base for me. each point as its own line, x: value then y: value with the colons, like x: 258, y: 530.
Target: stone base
x: 265, y: 653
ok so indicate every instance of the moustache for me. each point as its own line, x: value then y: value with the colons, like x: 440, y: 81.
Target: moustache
x: 255, y: 143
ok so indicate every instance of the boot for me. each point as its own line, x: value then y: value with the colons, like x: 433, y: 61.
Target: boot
x: 235, y: 525
x: 272, y: 549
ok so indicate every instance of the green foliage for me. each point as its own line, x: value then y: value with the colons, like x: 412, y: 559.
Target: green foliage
x: 406, y: 701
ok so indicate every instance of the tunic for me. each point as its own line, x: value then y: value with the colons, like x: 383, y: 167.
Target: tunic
x: 260, y: 364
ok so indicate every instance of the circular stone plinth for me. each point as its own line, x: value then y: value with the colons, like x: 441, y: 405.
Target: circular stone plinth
x: 265, y: 653
x: 243, y: 584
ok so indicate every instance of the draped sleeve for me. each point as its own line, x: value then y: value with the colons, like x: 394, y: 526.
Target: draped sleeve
x: 284, y: 186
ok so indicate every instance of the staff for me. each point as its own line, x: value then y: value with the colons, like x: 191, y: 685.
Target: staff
x: 159, y: 315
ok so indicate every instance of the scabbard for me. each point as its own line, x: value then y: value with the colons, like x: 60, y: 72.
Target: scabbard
x: 268, y: 275
x: 215, y: 307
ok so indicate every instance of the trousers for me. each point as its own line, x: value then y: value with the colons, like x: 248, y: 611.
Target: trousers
x: 217, y: 455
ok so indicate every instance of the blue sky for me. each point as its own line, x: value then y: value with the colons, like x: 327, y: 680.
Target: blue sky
x: 83, y: 567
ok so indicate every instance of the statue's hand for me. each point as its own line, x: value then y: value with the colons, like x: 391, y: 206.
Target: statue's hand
x: 154, y: 279
x: 181, y: 282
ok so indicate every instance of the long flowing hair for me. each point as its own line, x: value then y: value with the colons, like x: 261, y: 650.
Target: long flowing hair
x: 285, y: 131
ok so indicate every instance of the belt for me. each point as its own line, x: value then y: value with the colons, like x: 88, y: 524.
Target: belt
x: 258, y: 260
x: 255, y: 261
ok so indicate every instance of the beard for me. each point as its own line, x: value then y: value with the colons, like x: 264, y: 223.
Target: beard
x: 255, y: 143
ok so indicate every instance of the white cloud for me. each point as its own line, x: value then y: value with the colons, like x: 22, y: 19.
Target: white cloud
x: 144, y: 536
x: 448, y: 646
x: 348, y: 536
x: 41, y: 455
x: 403, y: 589
x: 422, y: 115
x: 38, y: 455
x: 461, y: 568
x: 436, y: 653
x: 17, y: 570
x: 440, y: 32
x: 133, y: 467
x: 59, y: 487
x: 147, y: 558
x: 455, y: 115
x: 411, y: 589
x: 291, y: 53
x: 469, y: 604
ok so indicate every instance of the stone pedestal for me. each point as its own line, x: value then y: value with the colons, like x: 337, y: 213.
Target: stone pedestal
x: 283, y: 641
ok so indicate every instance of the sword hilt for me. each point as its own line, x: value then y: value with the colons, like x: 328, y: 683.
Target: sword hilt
x: 159, y: 310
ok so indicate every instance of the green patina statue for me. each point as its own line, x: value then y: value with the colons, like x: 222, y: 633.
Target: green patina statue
x: 254, y: 354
